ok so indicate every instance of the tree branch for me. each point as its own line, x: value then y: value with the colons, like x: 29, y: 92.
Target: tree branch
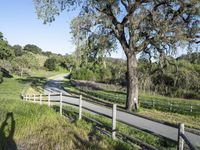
x: 124, y: 4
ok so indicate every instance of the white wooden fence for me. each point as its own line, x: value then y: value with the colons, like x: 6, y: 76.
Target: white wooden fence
x: 41, y: 99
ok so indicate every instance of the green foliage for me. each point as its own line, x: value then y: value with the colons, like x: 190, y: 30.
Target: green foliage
x: 193, y: 58
x: 5, y: 50
x: 22, y: 64
x: 1, y: 36
x: 107, y: 70
x: 83, y: 74
x: 68, y: 62
x: 18, y: 50
x: 50, y: 64
x: 32, y: 48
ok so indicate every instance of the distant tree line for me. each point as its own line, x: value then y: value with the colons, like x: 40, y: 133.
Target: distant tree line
x: 22, y: 60
x: 178, y: 77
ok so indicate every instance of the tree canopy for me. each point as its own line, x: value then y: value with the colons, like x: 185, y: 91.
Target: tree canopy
x: 32, y: 48
x: 5, y: 49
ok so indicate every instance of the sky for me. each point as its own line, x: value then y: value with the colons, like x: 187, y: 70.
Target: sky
x: 20, y: 25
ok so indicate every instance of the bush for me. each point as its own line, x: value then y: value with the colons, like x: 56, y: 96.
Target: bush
x: 191, y: 95
x: 83, y: 74
x: 50, y: 64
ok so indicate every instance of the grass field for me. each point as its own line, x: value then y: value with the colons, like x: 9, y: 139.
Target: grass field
x: 30, y: 126
x: 11, y: 88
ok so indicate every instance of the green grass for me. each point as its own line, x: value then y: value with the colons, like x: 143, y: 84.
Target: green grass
x: 157, y: 142
x: 175, y: 118
x: 47, y: 74
x: 11, y: 88
x: 38, y: 127
x: 32, y: 126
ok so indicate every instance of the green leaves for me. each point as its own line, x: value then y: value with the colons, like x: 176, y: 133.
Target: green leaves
x: 47, y: 10
x: 5, y: 50
x: 50, y: 64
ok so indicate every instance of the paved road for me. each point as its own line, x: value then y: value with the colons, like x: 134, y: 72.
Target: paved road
x: 53, y: 87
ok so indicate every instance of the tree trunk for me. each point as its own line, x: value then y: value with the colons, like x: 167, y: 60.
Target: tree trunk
x: 132, y: 82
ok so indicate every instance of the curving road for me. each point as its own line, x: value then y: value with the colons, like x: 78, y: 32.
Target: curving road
x: 54, y: 87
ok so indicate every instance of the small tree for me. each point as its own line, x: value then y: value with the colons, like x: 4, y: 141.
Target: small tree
x: 18, y: 50
x: 50, y: 64
x: 32, y: 48
x: 5, y: 50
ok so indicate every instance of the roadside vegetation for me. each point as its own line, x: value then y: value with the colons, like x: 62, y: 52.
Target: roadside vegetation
x: 164, y: 115
x: 144, y: 137
x: 30, y: 126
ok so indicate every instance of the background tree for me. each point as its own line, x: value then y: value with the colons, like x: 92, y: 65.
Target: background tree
x: 32, y: 48
x: 18, y: 50
x: 23, y: 64
x: 154, y: 26
x: 50, y: 64
x: 6, y: 51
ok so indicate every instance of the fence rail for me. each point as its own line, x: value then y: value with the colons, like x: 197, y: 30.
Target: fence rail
x: 59, y: 99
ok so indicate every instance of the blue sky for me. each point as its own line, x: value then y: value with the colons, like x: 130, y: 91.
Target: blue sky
x: 20, y: 25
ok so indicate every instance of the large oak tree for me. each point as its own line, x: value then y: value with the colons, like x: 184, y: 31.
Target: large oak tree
x: 156, y: 27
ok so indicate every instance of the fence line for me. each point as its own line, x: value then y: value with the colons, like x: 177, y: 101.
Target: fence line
x: 181, y: 136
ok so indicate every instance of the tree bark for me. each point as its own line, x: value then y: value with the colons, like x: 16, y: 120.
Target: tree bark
x: 132, y: 82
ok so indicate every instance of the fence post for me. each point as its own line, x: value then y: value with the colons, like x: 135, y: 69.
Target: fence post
x: 180, y: 139
x: 191, y: 108
x: 40, y: 99
x: 61, y: 104
x: 114, y: 114
x: 49, y: 100
x: 80, y: 108
x: 171, y: 106
x: 34, y: 98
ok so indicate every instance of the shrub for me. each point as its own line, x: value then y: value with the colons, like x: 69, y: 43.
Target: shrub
x: 83, y: 74
x: 50, y: 64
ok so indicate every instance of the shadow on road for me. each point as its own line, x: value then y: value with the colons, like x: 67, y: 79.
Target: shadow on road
x: 35, y: 82
x: 7, y: 130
